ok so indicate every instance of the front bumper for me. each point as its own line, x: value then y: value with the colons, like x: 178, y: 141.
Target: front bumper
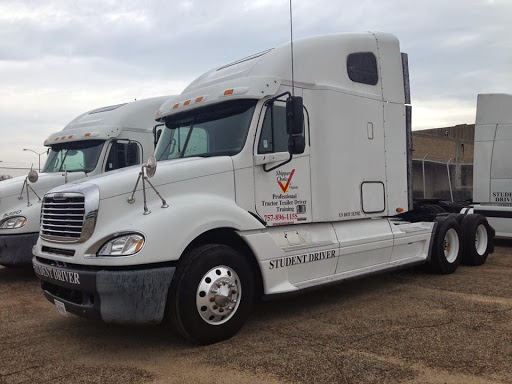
x: 16, y: 250
x: 136, y: 295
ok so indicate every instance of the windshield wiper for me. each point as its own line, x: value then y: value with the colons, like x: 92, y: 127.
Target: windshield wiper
x: 63, y: 160
x: 187, y: 140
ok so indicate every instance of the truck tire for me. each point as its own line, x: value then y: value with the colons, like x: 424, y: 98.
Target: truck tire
x: 458, y: 218
x: 446, y: 249
x: 211, y: 294
x: 477, y: 237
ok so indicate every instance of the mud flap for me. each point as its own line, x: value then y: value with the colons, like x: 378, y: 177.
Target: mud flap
x: 134, y: 296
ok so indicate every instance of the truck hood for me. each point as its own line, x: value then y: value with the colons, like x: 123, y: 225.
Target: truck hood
x: 46, y: 181
x: 123, y: 181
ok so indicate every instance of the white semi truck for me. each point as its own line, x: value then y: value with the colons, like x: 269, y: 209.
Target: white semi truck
x: 266, y: 184
x: 98, y: 141
x: 492, y: 171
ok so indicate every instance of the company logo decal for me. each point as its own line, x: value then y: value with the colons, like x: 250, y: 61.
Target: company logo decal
x: 12, y: 213
x: 502, y: 197
x: 286, y: 185
x: 302, y: 259
x: 59, y: 196
x: 57, y: 274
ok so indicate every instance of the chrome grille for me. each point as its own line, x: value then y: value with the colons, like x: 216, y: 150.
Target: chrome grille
x: 62, y: 217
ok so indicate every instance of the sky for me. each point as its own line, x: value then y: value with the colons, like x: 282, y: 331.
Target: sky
x: 61, y: 58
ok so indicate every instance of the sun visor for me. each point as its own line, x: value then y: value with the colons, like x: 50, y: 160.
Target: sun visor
x: 254, y: 87
x: 89, y: 133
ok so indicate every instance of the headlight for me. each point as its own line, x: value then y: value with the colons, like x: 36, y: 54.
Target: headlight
x: 13, y: 222
x: 126, y: 245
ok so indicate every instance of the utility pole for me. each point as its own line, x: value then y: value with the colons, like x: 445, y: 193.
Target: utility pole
x: 38, y: 154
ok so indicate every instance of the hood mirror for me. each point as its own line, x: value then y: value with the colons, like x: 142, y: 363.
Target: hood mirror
x: 147, y: 171
x: 151, y: 166
x: 33, y: 176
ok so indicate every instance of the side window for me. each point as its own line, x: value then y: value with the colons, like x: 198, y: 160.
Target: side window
x: 274, y: 140
x: 123, y: 154
x: 362, y: 68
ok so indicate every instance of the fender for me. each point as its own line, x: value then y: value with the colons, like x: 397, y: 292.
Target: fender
x: 203, y: 213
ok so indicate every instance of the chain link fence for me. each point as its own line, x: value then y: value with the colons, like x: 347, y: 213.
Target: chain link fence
x: 433, y: 179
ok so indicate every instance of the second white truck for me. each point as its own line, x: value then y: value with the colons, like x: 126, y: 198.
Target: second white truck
x: 98, y: 141
x: 261, y: 186
x: 492, y: 175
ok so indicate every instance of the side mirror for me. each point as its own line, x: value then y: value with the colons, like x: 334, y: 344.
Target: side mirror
x: 132, y: 156
x: 296, y: 144
x: 156, y: 133
x: 294, y: 115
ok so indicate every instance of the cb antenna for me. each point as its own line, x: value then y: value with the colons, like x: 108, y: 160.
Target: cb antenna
x: 291, y: 45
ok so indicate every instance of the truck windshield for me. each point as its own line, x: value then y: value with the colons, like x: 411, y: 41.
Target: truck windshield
x: 218, y: 130
x: 78, y: 156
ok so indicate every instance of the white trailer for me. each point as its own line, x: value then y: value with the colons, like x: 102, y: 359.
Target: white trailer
x: 264, y: 187
x: 98, y: 141
x: 492, y: 172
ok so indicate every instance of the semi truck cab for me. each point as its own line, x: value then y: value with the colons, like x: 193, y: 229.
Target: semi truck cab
x: 96, y: 142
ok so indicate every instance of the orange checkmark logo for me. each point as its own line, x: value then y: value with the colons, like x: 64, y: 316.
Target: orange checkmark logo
x: 284, y: 187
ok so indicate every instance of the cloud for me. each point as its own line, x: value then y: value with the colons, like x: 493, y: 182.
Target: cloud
x: 60, y: 58
x: 442, y: 113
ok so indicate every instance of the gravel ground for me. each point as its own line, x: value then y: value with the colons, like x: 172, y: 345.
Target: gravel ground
x: 402, y: 327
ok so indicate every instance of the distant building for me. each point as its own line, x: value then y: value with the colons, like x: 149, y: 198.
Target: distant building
x: 443, y: 157
x: 5, y: 177
x: 443, y: 144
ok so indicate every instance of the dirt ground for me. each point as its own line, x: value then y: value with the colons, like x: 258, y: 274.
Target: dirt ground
x: 402, y: 327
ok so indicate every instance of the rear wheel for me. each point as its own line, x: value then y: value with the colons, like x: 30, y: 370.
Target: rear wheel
x: 212, y: 294
x: 477, y: 237
x: 446, y: 249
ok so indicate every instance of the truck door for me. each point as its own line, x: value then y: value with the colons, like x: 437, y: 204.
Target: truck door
x: 283, y: 194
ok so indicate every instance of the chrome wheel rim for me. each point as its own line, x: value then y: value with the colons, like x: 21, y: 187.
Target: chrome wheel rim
x: 218, y: 295
x: 481, y: 239
x: 451, y: 245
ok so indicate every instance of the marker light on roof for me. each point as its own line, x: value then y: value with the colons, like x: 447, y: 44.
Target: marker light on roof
x: 87, y: 134
x: 175, y: 105
x: 228, y: 92
x: 199, y: 99
x: 186, y: 102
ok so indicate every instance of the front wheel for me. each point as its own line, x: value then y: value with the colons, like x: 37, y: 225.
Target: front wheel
x: 211, y: 294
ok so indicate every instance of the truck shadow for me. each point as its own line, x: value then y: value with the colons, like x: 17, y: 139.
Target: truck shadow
x: 266, y: 314
x: 502, y: 242
x: 17, y: 274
